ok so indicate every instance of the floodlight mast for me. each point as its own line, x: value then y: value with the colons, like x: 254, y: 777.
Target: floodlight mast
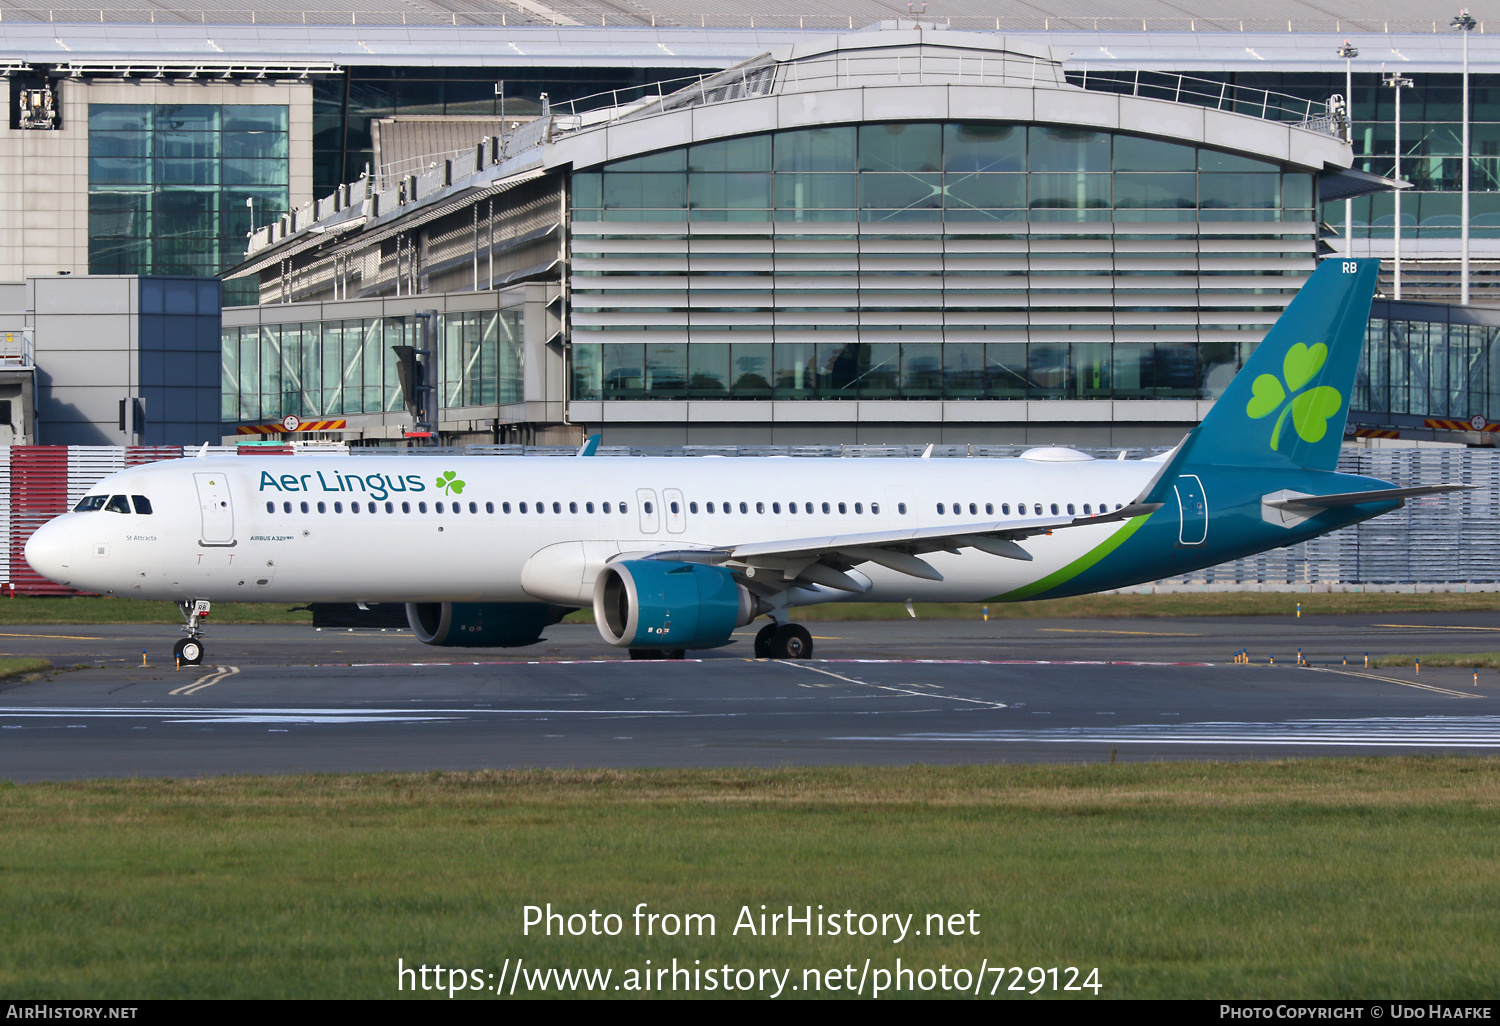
x: 1348, y: 52
x: 1397, y: 82
x: 1464, y: 23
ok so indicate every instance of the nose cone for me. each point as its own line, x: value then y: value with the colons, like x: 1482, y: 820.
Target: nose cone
x: 50, y: 551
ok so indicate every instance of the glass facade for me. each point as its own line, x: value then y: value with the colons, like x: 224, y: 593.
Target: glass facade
x: 344, y: 106
x: 168, y: 185
x: 1431, y: 146
x: 930, y: 261
x: 335, y: 368
x: 1429, y: 369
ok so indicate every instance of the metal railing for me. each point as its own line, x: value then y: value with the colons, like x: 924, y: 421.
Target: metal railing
x: 822, y: 22
x: 16, y: 350
x: 1313, y: 115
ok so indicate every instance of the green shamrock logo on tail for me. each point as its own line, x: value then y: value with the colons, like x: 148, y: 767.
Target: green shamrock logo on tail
x: 450, y: 484
x: 1309, y: 410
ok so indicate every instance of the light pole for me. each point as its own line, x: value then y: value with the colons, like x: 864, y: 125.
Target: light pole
x: 1348, y: 53
x: 1397, y: 82
x: 1464, y: 23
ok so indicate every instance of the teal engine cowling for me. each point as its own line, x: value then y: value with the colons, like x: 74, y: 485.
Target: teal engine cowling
x: 647, y: 603
x: 482, y: 624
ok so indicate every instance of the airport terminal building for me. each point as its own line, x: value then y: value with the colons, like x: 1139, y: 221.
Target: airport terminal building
x: 681, y: 227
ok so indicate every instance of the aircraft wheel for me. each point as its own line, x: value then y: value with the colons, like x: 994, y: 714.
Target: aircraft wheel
x: 675, y: 653
x: 763, y: 640
x: 791, y: 642
x: 188, y: 651
x: 645, y: 653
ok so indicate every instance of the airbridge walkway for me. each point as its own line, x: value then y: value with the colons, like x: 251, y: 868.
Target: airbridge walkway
x: 1437, y: 543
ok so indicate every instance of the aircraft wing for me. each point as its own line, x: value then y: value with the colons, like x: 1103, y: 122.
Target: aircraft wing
x: 823, y: 560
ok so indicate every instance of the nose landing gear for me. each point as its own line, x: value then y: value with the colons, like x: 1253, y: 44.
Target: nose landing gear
x: 189, y: 650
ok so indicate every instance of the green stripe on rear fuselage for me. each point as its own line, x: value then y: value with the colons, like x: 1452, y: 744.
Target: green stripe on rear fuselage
x: 1078, y: 566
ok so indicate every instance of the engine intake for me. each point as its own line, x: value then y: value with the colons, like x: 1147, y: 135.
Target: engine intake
x: 646, y: 603
x: 482, y: 624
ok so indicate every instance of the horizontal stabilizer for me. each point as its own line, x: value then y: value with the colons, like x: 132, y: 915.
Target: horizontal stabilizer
x: 1286, y: 500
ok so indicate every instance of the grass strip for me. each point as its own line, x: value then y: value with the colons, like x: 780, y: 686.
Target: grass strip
x: 1478, y: 660
x: 1306, y: 878
x: 86, y: 609
x: 14, y: 666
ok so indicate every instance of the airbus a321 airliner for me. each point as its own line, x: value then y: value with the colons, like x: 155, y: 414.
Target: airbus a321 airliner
x: 675, y: 554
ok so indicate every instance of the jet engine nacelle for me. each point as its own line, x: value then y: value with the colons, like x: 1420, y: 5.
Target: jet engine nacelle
x: 647, y: 603
x: 482, y: 624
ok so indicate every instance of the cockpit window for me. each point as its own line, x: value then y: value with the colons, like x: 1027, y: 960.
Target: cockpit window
x: 117, y: 504
x: 142, y: 504
x: 89, y: 503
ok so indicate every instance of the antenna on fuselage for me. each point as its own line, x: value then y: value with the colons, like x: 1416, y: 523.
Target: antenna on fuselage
x: 203, y: 452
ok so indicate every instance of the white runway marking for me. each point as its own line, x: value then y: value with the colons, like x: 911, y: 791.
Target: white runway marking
x: 1375, y: 732
x: 206, y: 681
x: 898, y: 689
x: 301, y: 716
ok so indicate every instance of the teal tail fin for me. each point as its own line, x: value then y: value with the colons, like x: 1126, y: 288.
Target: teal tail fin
x: 1289, y: 403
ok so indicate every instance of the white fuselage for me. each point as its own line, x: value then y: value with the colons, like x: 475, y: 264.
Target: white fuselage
x: 277, y: 528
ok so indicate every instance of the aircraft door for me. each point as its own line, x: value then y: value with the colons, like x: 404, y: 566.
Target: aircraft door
x: 217, y: 509
x: 1192, y: 505
x: 675, y: 511
x: 645, y: 501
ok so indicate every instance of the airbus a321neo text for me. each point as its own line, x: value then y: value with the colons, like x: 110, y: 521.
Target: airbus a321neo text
x: 676, y: 554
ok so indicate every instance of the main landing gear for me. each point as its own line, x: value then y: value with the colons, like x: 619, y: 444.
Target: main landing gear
x: 189, y: 650
x: 783, y: 641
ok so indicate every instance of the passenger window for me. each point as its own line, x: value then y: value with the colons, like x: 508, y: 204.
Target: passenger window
x: 744, y: 508
x: 286, y: 507
x: 842, y: 508
x: 504, y: 507
x: 1038, y: 509
x: 1054, y: 509
x: 421, y: 507
x: 648, y: 509
x: 142, y: 504
x: 675, y: 507
x: 119, y: 504
x: 557, y: 507
x: 1070, y: 509
x: 322, y: 507
x: 973, y: 509
x: 353, y: 507
x: 305, y: 508
x: 270, y: 507
x: 489, y: 507
x: 439, y: 507
x: 760, y: 507
x: 875, y: 508
x: 626, y: 509
x: 89, y: 503
x: 859, y: 508
x: 775, y: 507
x: 1086, y: 510
x: 1005, y: 508
x: 572, y: 507
x: 338, y: 507
x: 390, y: 507
x: 940, y: 508
x: 692, y: 507
x: 406, y: 507
x: 989, y: 509
x: 473, y: 507
x: 605, y: 507
x: 588, y: 507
